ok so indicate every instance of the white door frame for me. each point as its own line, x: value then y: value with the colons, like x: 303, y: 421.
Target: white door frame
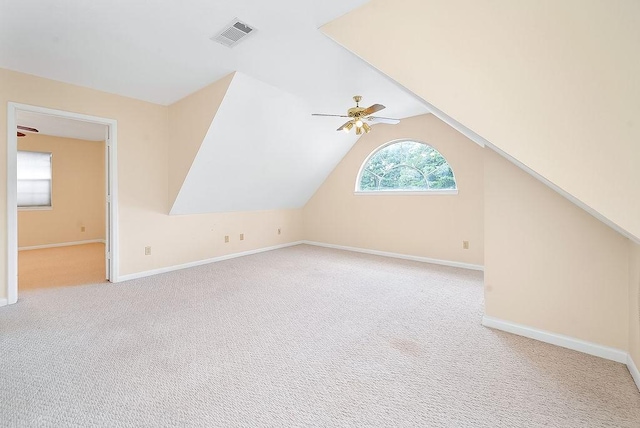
x: 12, y: 203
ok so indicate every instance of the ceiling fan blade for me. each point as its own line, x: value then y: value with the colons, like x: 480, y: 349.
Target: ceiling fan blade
x: 20, y: 134
x: 387, y: 120
x: 328, y: 115
x: 26, y: 128
x: 374, y: 108
x: 344, y: 125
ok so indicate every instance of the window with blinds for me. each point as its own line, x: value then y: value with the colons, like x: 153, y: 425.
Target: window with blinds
x: 34, y: 179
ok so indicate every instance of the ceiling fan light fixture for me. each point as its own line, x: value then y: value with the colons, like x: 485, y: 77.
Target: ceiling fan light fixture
x: 358, y: 116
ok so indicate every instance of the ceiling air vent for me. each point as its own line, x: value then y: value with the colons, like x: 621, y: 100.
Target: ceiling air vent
x: 233, y: 33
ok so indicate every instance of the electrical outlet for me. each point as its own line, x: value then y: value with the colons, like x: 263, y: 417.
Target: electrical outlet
x: 242, y: 236
x: 279, y: 231
x: 465, y: 245
x: 147, y: 251
x: 226, y: 238
x: 82, y: 228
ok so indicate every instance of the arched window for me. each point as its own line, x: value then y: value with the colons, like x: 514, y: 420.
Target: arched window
x: 406, y: 166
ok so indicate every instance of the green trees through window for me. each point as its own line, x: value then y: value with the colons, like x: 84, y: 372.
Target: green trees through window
x: 406, y: 166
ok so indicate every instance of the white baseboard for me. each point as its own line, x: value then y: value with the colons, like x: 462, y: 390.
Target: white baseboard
x: 62, y: 244
x: 398, y: 256
x: 143, y: 274
x: 633, y: 369
x: 579, y: 345
x: 3, y: 302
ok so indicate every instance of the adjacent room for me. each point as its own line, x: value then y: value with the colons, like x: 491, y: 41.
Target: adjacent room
x: 62, y: 161
x: 355, y: 213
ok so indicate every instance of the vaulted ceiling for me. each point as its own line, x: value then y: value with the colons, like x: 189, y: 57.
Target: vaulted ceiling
x: 551, y: 85
x: 260, y: 131
x: 274, y: 156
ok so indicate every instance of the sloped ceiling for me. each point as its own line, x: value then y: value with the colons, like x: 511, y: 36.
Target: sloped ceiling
x: 263, y: 150
x: 263, y: 146
x: 553, y: 85
x: 189, y: 122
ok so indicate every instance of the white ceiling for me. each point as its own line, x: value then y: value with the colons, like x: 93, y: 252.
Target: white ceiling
x: 274, y: 158
x: 160, y: 52
x: 61, y: 126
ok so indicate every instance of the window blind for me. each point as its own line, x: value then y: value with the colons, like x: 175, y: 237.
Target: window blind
x: 34, y: 179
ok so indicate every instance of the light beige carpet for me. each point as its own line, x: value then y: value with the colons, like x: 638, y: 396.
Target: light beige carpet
x: 301, y: 336
x: 61, y: 266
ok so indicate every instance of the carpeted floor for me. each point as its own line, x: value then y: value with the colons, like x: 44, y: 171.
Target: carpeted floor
x: 302, y: 336
x: 61, y: 266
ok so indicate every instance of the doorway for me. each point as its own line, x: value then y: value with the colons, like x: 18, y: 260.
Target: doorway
x: 105, y: 242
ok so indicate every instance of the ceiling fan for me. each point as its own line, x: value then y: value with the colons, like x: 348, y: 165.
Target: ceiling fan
x: 359, y: 116
x: 25, y: 128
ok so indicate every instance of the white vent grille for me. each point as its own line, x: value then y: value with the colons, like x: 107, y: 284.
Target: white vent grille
x: 233, y: 33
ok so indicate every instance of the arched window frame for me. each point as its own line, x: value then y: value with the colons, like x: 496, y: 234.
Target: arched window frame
x: 357, y: 190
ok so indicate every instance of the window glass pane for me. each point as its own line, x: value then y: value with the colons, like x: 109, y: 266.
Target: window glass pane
x: 442, y: 178
x: 368, y: 181
x: 34, y: 179
x: 34, y: 193
x: 403, y: 177
x: 34, y: 165
x: 404, y: 166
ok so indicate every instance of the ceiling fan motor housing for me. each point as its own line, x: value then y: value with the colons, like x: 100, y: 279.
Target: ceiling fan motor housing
x: 356, y: 112
x: 357, y: 115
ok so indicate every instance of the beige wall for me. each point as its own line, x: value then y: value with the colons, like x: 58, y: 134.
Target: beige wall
x: 549, y: 264
x: 431, y: 226
x: 189, y: 121
x: 634, y: 302
x: 186, y: 238
x: 78, y: 193
x: 552, y: 83
x: 143, y: 147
